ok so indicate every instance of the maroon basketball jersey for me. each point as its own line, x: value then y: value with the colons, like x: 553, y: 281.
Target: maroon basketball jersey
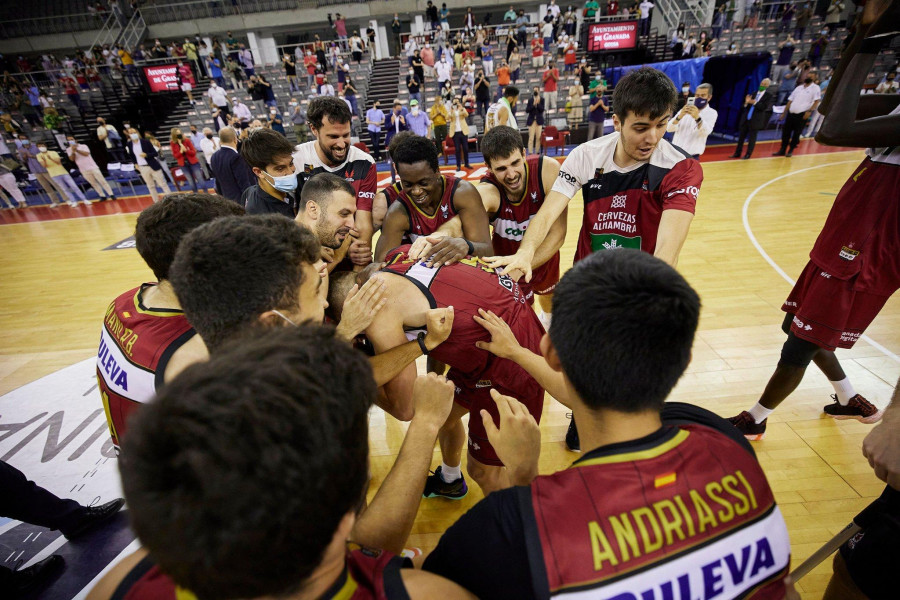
x: 369, y: 575
x: 136, y: 344
x: 689, y: 515
x: 468, y: 285
x: 421, y: 223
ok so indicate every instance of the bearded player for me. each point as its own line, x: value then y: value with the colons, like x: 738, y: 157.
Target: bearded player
x: 331, y: 152
x: 412, y: 288
x: 426, y: 201
x: 512, y: 192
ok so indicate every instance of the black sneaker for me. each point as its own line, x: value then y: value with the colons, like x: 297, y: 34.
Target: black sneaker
x: 747, y: 425
x: 93, y: 517
x: 436, y: 487
x: 857, y: 408
x: 572, y: 441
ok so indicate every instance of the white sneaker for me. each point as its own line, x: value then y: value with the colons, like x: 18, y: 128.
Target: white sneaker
x: 54, y: 204
x: 89, y: 202
x: 73, y: 204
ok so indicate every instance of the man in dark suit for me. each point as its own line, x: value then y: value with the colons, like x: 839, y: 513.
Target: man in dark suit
x: 232, y: 173
x: 146, y: 159
x: 754, y: 116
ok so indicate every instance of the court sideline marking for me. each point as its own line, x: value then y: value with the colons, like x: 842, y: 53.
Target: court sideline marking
x: 773, y: 264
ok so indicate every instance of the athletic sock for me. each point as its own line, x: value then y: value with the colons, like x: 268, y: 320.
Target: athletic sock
x: 450, y: 474
x: 760, y: 413
x: 844, y: 390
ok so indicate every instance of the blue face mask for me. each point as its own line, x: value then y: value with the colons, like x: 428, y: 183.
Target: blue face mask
x: 700, y: 103
x: 285, y: 183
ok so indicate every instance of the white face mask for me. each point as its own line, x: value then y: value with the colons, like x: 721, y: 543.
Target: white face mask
x: 415, y: 110
x: 42, y: 148
x: 135, y: 137
x: 685, y: 89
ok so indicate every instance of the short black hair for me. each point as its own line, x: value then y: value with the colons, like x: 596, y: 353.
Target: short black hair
x: 161, y: 226
x: 229, y: 272
x: 644, y: 91
x: 415, y: 149
x: 319, y: 188
x: 262, y: 146
x: 510, y: 91
x: 397, y: 140
x: 320, y: 107
x: 500, y: 142
x: 239, y: 473
x: 623, y: 326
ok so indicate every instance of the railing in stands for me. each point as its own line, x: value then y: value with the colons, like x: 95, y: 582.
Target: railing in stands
x: 109, y: 33
x: 43, y: 25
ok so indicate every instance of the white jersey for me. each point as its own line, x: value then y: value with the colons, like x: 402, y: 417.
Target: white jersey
x: 358, y: 170
x: 490, y: 118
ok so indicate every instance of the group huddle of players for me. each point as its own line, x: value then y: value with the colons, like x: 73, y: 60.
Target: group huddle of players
x: 242, y: 422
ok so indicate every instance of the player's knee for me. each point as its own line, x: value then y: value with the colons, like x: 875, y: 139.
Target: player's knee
x: 796, y: 352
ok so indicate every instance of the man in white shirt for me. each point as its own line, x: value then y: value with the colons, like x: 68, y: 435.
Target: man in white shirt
x: 801, y: 104
x: 553, y: 9
x: 646, y: 7
x: 444, y: 69
x: 218, y: 97
x: 694, y: 122
x: 889, y: 85
x: 209, y: 144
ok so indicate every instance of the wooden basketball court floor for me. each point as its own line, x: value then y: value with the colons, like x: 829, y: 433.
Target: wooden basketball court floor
x: 755, y: 224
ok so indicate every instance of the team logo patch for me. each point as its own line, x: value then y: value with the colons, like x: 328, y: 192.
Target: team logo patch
x: 848, y: 253
x: 534, y: 196
x: 598, y: 173
x: 308, y: 168
x: 483, y: 383
x: 609, y: 241
x: 664, y: 480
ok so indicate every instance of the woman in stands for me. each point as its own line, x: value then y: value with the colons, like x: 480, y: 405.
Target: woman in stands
x: 184, y: 152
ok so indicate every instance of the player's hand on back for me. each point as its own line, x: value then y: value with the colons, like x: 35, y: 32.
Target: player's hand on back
x: 516, y: 266
x: 503, y: 341
x: 439, y: 322
x: 518, y: 439
x: 882, y: 448
x: 360, y: 307
x: 433, y: 399
x: 447, y: 251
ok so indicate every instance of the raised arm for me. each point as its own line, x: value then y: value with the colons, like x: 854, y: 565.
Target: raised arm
x: 386, y: 333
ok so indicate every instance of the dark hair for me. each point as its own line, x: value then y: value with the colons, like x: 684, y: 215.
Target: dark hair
x: 227, y: 273
x: 263, y: 146
x: 397, y: 140
x: 623, y: 326
x: 500, y: 142
x: 335, y: 109
x: 240, y: 471
x: 415, y: 149
x: 644, y: 91
x: 510, y: 91
x: 319, y: 188
x: 161, y: 226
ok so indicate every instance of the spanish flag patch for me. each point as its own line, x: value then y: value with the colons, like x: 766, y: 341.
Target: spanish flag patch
x: 664, y: 480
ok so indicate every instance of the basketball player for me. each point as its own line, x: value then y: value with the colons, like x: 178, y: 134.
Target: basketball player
x: 512, y: 193
x: 245, y: 477
x: 329, y: 120
x: 427, y: 200
x: 501, y: 111
x: 854, y: 266
x: 667, y: 498
x: 327, y: 208
x: 146, y: 338
x: 412, y: 287
x: 639, y: 190
x: 236, y: 274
